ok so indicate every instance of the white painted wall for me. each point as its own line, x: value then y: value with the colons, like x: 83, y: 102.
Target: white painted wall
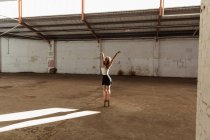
x: 19, y: 55
x: 175, y: 57
x: 167, y: 58
x: 78, y: 57
x: 136, y: 56
x: 178, y: 58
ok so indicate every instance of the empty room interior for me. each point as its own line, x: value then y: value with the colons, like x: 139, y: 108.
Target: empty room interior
x: 104, y: 70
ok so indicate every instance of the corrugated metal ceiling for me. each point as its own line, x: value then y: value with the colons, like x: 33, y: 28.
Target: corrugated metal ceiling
x: 183, y: 21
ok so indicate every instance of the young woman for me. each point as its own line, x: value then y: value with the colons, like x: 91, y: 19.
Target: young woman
x: 106, y: 80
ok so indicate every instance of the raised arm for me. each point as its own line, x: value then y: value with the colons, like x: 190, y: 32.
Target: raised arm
x: 114, y: 56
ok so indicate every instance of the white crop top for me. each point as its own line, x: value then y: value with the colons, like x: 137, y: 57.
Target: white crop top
x: 104, y: 71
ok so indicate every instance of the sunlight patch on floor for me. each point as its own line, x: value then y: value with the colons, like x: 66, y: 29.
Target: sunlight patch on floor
x: 37, y: 113
x: 32, y: 114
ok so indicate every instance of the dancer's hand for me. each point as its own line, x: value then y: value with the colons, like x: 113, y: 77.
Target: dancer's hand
x: 118, y: 52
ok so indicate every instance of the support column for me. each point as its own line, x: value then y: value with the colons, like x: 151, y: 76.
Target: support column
x: 0, y: 54
x: 51, y: 57
x: 203, y: 92
x: 156, y: 49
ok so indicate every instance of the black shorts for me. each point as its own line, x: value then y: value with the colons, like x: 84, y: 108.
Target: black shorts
x: 106, y: 80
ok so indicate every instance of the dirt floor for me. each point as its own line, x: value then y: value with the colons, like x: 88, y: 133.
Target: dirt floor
x: 142, y: 108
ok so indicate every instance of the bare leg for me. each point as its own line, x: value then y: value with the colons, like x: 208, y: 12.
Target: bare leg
x: 108, y: 94
x: 105, y: 94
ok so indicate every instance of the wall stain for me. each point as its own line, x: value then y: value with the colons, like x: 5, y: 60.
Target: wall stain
x: 34, y: 58
x: 132, y: 73
x: 120, y: 72
x: 181, y: 63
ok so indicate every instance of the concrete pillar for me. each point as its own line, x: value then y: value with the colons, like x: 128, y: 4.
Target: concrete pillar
x: 156, y: 50
x: 0, y: 54
x: 51, y: 58
x: 203, y: 92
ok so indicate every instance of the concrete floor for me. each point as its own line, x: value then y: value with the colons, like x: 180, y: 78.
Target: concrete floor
x: 142, y: 108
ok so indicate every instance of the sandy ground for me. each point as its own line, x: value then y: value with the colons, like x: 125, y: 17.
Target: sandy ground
x: 142, y: 108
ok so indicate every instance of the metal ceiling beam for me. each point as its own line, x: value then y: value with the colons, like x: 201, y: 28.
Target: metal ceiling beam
x: 187, y: 18
x: 91, y: 29
x: 131, y: 34
x: 196, y: 31
x: 124, y: 38
x: 148, y: 34
x: 20, y: 19
x: 35, y: 31
x: 128, y: 34
x: 20, y: 36
x: 10, y: 30
x: 114, y: 28
x: 158, y: 29
x: 86, y: 23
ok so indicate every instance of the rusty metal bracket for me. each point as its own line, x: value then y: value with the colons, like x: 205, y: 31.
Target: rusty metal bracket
x: 21, y: 22
x: 161, y: 9
x: 86, y: 22
x: 161, y: 12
